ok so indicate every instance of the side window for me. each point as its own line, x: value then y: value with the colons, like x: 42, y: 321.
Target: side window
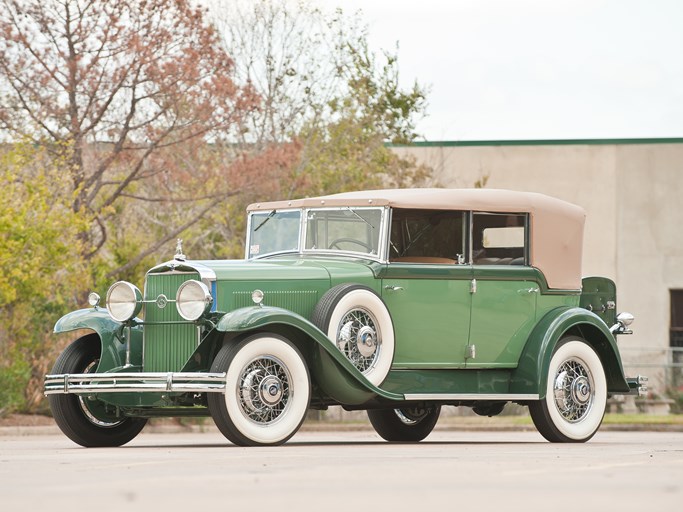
x: 500, y: 239
x: 427, y: 236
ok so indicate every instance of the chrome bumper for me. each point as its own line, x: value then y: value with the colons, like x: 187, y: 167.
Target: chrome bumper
x: 637, y: 385
x: 85, y: 383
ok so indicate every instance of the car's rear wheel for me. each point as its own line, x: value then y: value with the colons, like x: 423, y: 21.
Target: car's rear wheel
x: 576, y: 394
x: 357, y: 321
x: 267, y: 391
x: 85, y: 420
x: 407, y: 425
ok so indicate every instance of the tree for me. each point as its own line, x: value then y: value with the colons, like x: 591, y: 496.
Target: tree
x: 348, y: 150
x: 109, y: 86
x: 303, y: 62
x: 324, y: 93
x: 41, y: 267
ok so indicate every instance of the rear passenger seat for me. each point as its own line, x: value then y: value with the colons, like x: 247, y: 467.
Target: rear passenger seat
x: 500, y: 261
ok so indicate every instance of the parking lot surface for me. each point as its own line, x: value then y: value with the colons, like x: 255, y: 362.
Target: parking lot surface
x: 333, y: 471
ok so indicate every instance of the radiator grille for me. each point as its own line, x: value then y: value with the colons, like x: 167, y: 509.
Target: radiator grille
x: 167, y: 347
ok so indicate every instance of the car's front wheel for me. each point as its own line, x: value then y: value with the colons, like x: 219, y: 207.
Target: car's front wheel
x: 267, y: 391
x: 408, y: 425
x: 576, y: 394
x: 85, y: 420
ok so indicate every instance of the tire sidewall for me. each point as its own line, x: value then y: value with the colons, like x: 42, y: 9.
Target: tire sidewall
x: 584, y: 429
x: 364, y: 298
x: 69, y: 412
x: 290, y: 420
x: 388, y: 425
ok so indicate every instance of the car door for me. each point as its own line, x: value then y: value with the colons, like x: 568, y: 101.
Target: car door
x: 504, y: 290
x: 430, y: 309
x: 426, y: 287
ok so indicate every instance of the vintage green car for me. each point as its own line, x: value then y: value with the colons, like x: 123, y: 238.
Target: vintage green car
x: 397, y: 302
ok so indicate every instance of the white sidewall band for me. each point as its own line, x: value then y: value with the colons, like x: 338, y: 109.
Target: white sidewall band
x: 585, y: 427
x: 295, y: 410
x: 365, y: 299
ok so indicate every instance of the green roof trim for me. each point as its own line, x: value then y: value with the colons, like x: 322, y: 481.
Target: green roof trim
x: 541, y: 142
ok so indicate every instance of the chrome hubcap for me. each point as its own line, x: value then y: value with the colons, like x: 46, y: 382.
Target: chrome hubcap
x: 358, y: 338
x: 263, y: 390
x: 366, y: 341
x: 573, y: 390
x: 270, y: 391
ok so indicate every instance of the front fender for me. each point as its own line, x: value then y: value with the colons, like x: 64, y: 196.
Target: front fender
x: 97, y: 320
x: 110, y: 332
x: 333, y: 372
x: 531, y: 375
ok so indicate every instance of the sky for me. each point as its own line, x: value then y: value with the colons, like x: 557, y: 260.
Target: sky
x: 536, y: 69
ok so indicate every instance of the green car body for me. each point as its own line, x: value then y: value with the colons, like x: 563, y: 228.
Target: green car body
x: 355, y: 300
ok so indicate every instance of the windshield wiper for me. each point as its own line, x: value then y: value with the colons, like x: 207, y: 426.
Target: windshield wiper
x: 361, y: 218
x: 270, y: 216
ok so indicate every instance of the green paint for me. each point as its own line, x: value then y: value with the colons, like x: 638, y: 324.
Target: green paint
x: 503, y: 315
x: 431, y: 315
x: 167, y: 346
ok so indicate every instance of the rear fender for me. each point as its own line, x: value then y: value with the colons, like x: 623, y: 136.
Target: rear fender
x: 531, y: 375
x: 330, y: 369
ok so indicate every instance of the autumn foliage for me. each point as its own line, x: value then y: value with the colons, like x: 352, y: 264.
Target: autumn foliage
x: 125, y: 124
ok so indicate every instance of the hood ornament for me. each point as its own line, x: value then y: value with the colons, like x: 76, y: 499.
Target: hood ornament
x: 179, y: 251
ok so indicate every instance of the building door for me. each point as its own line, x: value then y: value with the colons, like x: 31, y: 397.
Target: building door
x: 676, y: 338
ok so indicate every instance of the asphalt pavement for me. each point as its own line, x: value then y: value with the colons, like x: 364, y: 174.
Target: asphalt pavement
x: 334, y: 470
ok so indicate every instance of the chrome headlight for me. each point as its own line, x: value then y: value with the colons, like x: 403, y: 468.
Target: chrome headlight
x: 193, y: 300
x: 124, y: 301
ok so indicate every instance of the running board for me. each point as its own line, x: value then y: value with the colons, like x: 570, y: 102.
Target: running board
x: 478, y: 397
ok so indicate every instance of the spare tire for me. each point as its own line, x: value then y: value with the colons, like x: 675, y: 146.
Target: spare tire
x: 356, y: 320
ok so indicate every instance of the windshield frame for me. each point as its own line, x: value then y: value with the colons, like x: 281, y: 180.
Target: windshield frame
x: 252, y: 216
x: 303, y: 227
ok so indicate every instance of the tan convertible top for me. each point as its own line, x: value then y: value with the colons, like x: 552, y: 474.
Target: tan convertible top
x: 556, y: 226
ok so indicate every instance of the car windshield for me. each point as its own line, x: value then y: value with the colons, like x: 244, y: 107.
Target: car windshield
x: 273, y: 231
x: 346, y: 229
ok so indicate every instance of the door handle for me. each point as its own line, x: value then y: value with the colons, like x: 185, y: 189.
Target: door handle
x: 393, y: 288
x: 527, y: 291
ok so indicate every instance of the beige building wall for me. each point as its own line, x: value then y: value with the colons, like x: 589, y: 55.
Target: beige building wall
x: 633, y: 197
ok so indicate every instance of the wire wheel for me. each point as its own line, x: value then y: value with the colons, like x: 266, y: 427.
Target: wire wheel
x: 267, y: 390
x: 573, y: 390
x: 575, y: 394
x: 358, y: 323
x: 358, y: 338
x: 264, y: 390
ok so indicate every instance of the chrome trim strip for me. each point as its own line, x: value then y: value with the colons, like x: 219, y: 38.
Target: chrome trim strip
x: 166, y: 382
x: 470, y: 396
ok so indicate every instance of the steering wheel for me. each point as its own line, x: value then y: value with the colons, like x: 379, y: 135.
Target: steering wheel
x: 337, y: 241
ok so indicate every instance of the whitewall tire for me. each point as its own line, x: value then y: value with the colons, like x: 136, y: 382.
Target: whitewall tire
x: 267, y: 391
x: 357, y: 321
x: 576, y: 394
